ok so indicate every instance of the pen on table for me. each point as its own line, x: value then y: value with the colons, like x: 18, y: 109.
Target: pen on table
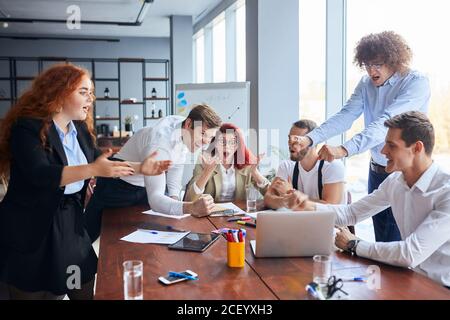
x: 241, y: 218
x: 356, y: 279
x: 181, y: 275
x: 246, y: 223
x: 149, y: 231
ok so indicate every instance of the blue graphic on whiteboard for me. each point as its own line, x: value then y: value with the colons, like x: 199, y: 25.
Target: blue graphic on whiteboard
x: 181, y: 103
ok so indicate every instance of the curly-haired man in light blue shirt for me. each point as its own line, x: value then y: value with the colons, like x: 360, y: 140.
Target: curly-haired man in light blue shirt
x: 389, y: 88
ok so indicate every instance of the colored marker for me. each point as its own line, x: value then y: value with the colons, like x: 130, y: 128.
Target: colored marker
x: 245, y: 223
x: 230, y: 236
x: 240, y: 236
x: 241, y: 218
x: 315, y: 291
x: 235, y: 236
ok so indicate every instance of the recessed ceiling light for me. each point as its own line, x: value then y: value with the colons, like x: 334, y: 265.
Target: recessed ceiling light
x: 5, y: 25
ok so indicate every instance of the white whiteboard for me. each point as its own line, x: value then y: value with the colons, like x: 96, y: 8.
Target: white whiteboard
x: 230, y: 100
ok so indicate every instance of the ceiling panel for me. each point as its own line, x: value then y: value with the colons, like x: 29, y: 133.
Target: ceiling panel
x: 155, y: 24
x: 117, y: 10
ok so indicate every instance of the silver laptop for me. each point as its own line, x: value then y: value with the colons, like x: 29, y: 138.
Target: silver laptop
x: 293, y: 234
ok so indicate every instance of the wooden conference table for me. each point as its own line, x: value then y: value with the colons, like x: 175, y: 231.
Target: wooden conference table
x: 260, y: 279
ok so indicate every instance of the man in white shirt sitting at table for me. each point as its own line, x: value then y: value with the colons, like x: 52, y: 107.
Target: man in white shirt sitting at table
x: 419, y: 194
x: 322, y: 181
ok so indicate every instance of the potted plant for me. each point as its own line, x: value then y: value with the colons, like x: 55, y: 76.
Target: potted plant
x: 129, y: 124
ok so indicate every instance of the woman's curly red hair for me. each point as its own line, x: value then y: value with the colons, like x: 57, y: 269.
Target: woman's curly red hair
x: 42, y: 101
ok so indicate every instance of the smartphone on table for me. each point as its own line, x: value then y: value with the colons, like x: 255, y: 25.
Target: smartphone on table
x: 171, y: 280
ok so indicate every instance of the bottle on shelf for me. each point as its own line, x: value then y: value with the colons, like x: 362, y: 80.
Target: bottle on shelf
x: 160, y: 114
x: 153, y: 93
x: 106, y: 93
x: 153, y: 109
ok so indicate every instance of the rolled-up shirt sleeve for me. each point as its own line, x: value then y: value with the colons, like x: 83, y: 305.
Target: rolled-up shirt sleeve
x: 158, y: 201
x: 174, y: 180
x: 370, y: 205
x: 156, y: 185
x: 429, y: 236
x: 341, y: 121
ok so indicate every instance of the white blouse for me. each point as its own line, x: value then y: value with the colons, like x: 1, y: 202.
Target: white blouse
x: 228, y: 184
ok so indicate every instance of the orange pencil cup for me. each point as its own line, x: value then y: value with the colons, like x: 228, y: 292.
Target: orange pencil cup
x: 236, y: 254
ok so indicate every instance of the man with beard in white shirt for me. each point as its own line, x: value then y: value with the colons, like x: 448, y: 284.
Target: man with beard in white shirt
x: 418, y: 192
x: 304, y: 171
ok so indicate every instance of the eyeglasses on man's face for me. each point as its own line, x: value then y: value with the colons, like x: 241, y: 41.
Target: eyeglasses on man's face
x: 294, y: 138
x: 376, y: 66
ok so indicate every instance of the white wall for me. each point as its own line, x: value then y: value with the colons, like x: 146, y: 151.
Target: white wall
x: 272, y: 67
x: 181, y: 50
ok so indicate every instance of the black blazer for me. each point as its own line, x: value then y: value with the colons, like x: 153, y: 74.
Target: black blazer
x: 34, y: 194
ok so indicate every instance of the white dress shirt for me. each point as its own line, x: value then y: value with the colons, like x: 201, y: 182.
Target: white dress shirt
x: 422, y: 213
x: 164, y: 137
x: 228, y: 189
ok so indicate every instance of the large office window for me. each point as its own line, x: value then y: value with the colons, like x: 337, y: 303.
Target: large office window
x: 240, y: 42
x: 312, y: 23
x: 219, y: 49
x: 421, y: 23
x: 199, y: 56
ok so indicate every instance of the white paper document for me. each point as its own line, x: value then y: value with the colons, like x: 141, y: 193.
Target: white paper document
x: 154, y: 236
x: 154, y: 213
x: 228, y: 206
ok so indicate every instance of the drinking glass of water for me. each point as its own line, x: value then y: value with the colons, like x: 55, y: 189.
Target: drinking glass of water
x: 321, y: 269
x: 133, y: 280
x: 252, y: 196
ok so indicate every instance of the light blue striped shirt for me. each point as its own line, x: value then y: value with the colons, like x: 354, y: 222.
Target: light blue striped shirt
x: 74, y: 154
x: 397, y: 95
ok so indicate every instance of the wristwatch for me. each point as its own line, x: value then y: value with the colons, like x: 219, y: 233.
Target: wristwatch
x: 351, y: 246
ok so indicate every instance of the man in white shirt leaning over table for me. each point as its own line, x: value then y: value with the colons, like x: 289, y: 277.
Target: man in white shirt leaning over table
x: 419, y: 194
x: 171, y: 138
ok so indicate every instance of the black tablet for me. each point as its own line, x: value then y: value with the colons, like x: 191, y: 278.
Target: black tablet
x: 195, y: 242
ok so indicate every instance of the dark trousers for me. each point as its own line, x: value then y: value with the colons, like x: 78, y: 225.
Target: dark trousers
x: 110, y: 193
x: 384, y: 224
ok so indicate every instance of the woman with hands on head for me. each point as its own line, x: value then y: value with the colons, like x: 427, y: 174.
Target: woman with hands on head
x: 226, y: 171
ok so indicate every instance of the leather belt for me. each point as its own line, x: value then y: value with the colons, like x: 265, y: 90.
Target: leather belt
x: 376, y: 167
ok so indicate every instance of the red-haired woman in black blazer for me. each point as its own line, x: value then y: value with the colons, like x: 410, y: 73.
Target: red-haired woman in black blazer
x: 47, y: 148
